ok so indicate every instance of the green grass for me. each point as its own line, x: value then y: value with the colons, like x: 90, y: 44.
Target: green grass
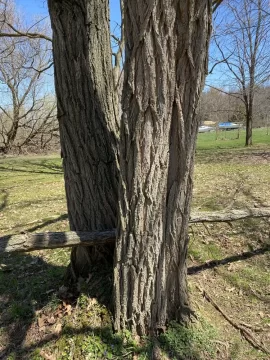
x: 32, y: 194
x: 32, y: 198
x: 228, y: 139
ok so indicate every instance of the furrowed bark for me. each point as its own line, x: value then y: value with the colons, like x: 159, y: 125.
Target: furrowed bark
x: 87, y: 121
x: 166, y: 60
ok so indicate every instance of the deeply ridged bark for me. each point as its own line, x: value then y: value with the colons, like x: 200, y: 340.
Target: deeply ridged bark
x: 87, y: 120
x: 166, y: 60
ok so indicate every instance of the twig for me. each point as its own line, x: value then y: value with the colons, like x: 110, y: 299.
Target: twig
x: 244, y: 332
x: 251, y: 327
x: 260, y: 297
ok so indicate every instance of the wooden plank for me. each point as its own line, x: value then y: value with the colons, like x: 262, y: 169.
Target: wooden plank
x: 227, y: 216
x: 52, y: 240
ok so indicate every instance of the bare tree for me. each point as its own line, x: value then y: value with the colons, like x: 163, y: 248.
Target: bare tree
x: 242, y: 41
x: 25, y: 110
x: 11, y: 28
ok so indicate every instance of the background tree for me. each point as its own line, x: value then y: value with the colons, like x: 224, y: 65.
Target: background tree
x: 242, y: 46
x: 27, y: 106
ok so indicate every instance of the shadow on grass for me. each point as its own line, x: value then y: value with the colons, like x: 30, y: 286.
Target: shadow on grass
x: 4, y: 200
x: 48, y: 222
x: 26, y: 286
x: 230, y: 259
x: 225, y: 154
x: 29, y: 288
x: 45, y: 166
x: 178, y: 343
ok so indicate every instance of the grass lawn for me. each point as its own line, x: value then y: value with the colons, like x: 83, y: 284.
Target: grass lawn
x: 229, y: 139
x: 37, y: 324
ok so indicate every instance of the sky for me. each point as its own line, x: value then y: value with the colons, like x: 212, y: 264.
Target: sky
x: 32, y: 9
x: 39, y: 7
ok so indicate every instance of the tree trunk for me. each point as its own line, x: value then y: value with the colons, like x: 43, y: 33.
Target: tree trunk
x: 87, y: 122
x: 12, y: 133
x: 166, y: 61
x: 249, y: 108
x: 249, y: 116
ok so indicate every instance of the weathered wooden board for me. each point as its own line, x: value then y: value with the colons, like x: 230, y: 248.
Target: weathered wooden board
x: 52, y: 240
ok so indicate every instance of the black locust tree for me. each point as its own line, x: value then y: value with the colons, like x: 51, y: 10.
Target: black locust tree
x: 149, y: 160
x: 88, y: 123
x: 166, y: 62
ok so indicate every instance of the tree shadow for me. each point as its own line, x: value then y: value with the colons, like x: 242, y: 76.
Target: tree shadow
x: 192, y: 270
x: 179, y: 343
x: 27, y: 285
x: 4, y: 200
x: 113, y: 343
x: 45, y: 166
x: 48, y: 222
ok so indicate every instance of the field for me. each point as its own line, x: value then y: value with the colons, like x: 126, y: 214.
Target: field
x: 228, y: 264
x: 229, y: 139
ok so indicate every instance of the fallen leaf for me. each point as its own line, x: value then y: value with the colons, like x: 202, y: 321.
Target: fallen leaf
x: 51, y: 320
x: 46, y: 355
x: 68, y: 309
x: 41, y: 321
x: 92, y: 302
x: 230, y: 289
x: 58, y: 329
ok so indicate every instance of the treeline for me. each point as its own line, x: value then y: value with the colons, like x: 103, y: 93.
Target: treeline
x: 221, y: 105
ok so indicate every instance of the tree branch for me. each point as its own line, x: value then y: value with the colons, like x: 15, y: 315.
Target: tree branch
x: 216, y: 4
x: 232, y: 215
x: 18, y: 33
x: 53, y: 240
x: 244, y: 332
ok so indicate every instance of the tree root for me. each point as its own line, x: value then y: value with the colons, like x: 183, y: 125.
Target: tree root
x: 243, y: 329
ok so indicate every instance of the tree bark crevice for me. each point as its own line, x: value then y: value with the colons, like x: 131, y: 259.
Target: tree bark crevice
x: 164, y: 75
x: 88, y: 123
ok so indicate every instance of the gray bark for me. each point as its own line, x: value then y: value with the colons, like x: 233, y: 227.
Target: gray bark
x: 166, y: 61
x: 87, y: 121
